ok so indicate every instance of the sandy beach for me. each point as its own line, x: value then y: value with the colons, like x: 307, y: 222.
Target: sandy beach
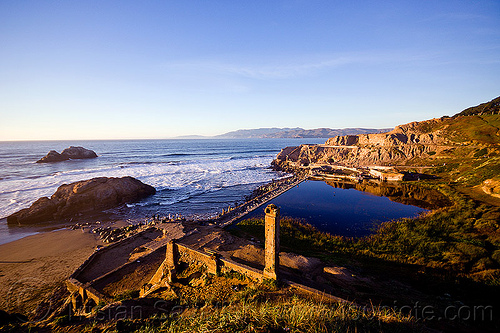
x: 31, y: 268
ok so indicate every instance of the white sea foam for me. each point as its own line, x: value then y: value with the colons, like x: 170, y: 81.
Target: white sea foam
x: 194, y: 177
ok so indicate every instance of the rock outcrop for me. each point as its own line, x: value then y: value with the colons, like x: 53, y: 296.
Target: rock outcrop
x: 71, y: 153
x: 52, y: 156
x: 76, y: 153
x: 411, y: 133
x: 404, y: 143
x: 87, y: 196
x: 491, y: 187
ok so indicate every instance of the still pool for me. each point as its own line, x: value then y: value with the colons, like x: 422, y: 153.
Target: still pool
x: 340, y: 211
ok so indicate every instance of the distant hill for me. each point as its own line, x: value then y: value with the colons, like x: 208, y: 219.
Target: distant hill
x: 297, y: 132
x: 193, y: 137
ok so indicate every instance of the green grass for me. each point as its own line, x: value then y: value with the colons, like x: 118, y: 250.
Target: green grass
x: 129, y: 294
x: 481, y: 129
x: 461, y: 239
x: 284, y: 315
x: 490, y: 107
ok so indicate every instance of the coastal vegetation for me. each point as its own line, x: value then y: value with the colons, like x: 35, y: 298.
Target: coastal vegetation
x: 449, y: 256
x: 463, y: 239
x: 256, y: 307
x: 292, y: 314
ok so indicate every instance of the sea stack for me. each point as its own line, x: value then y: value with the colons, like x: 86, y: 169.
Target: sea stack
x: 52, y: 156
x: 71, y: 153
x: 87, y: 196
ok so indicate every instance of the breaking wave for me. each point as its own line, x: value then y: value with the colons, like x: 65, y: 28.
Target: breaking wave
x: 191, y: 177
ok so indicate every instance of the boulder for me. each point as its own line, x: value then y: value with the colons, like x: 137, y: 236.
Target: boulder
x: 301, y: 263
x: 254, y: 254
x: 76, y: 153
x: 52, y: 156
x: 71, y: 153
x: 491, y: 187
x: 87, y: 196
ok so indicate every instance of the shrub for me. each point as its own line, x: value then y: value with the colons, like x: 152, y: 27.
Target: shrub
x: 496, y: 256
x: 129, y: 294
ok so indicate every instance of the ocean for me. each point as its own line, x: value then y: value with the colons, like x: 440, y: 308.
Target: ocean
x: 193, y: 178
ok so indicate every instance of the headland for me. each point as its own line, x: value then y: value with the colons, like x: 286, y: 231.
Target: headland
x: 447, y: 260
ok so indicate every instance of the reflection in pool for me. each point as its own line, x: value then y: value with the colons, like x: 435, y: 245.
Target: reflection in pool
x: 340, y: 208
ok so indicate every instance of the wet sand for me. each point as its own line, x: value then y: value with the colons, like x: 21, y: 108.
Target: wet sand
x: 32, y: 267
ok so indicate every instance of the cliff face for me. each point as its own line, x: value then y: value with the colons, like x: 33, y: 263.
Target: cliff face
x: 409, y: 134
x: 404, y: 143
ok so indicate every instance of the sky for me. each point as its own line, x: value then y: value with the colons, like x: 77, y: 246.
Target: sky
x: 158, y: 69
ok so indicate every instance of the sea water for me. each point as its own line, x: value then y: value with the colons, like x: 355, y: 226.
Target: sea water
x: 193, y: 178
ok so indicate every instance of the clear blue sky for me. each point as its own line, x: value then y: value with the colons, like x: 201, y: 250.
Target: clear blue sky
x: 157, y: 69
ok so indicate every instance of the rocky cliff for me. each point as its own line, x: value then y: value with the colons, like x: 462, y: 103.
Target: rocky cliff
x: 82, y: 197
x: 404, y: 143
x: 426, y: 143
x: 463, y: 149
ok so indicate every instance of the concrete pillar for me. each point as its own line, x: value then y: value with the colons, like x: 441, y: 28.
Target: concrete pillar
x: 170, y: 261
x: 213, y: 264
x: 272, y: 241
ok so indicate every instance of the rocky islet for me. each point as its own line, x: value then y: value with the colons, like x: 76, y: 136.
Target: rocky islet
x: 71, y: 153
x: 87, y: 196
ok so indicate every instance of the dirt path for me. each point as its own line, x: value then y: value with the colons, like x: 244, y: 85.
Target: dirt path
x: 478, y: 194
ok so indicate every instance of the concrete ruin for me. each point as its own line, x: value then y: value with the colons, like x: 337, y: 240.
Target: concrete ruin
x: 214, y: 263
x: 87, y: 290
x: 272, y: 241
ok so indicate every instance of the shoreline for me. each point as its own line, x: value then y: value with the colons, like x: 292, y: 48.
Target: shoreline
x: 45, y: 260
x: 111, y: 216
x: 105, y: 218
x: 36, y: 265
x: 31, y: 268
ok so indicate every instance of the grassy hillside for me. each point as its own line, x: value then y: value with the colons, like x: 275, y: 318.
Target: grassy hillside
x: 473, y: 156
x: 478, y: 125
x: 477, y: 129
x: 491, y: 107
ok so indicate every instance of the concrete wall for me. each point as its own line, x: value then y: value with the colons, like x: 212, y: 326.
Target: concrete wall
x: 252, y: 273
x: 272, y: 241
x: 386, y: 175
x: 189, y: 254
x: 212, y: 261
x: 174, y: 253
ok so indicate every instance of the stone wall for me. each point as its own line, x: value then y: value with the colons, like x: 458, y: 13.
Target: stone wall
x: 213, y: 262
x: 86, y: 294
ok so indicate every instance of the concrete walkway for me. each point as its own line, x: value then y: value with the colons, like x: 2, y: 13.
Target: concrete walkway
x: 255, y: 203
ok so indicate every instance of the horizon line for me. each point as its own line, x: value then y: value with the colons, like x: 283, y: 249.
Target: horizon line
x: 198, y: 136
